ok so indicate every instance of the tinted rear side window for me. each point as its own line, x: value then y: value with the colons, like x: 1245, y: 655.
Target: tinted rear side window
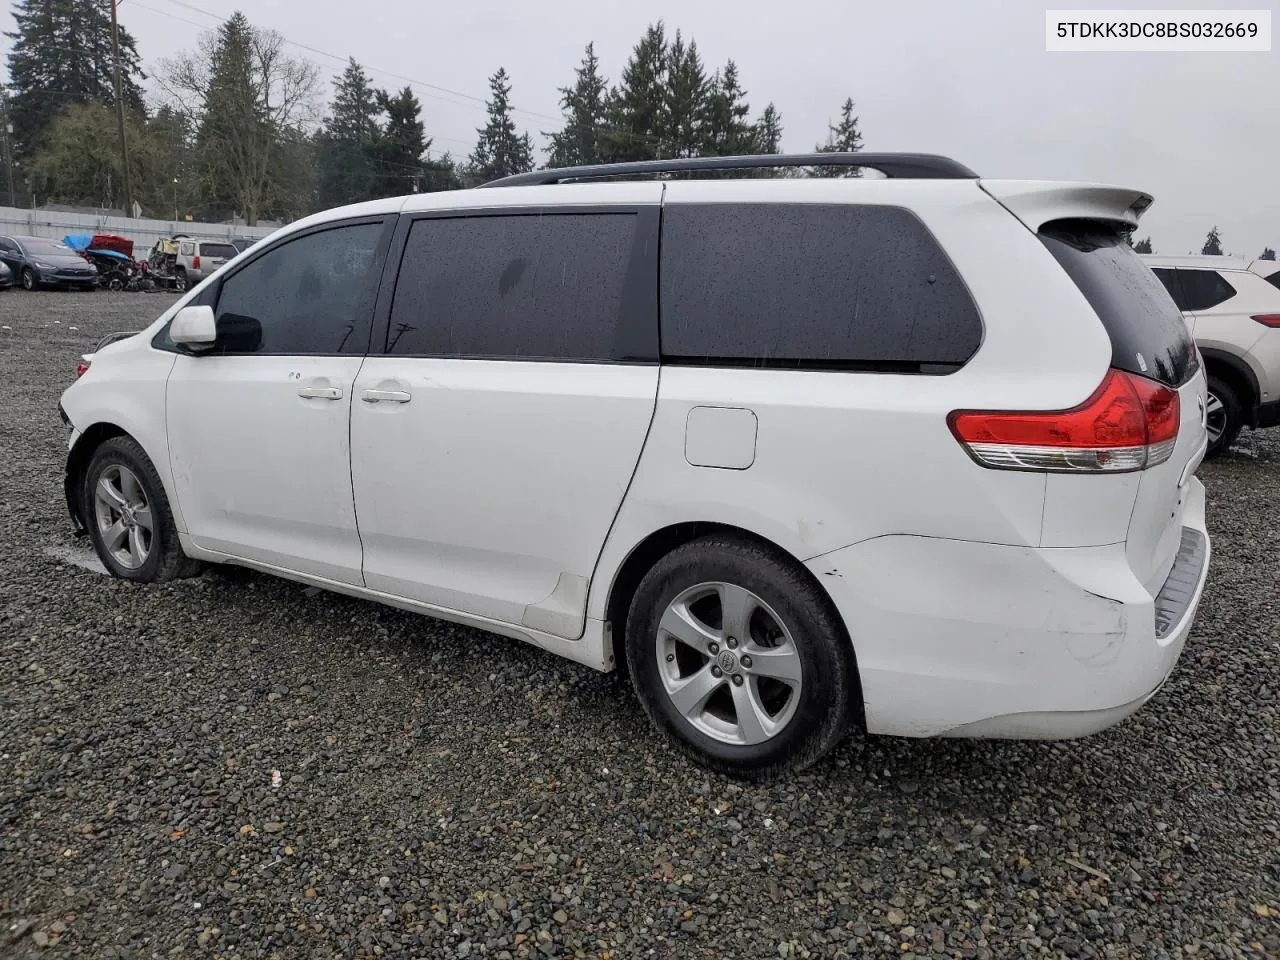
x: 811, y: 286
x: 1274, y: 279
x: 1148, y: 335
x: 531, y: 286
x: 1202, y: 289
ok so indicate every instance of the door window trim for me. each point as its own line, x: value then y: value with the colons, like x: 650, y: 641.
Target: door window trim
x: 637, y: 327
x: 212, y: 293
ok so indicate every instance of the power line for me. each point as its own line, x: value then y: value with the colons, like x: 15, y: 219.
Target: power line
x: 436, y: 88
x: 181, y: 19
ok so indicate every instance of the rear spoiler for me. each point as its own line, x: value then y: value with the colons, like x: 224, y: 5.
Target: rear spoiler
x: 1037, y: 202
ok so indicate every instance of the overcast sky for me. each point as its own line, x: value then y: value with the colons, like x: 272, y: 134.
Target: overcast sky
x: 969, y: 79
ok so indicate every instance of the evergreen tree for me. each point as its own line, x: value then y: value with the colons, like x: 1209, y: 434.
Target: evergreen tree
x: 769, y: 131
x: 1212, y: 244
x: 62, y: 54
x: 579, y: 141
x: 440, y: 173
x: 500, y: 152
x: 345, y: 155
x: 726, y: 131
x: 635, y: 111
x: 685, y: 111
x: 168, y: 188
x: 1268, y: 254
x: 842, y: 137
x: 1143, y: 246
x: 401, y: 145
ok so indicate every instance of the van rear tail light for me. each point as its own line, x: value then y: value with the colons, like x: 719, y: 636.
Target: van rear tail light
x: 195, y: 262
x: 1268, y: 319
x: 1130, y: 423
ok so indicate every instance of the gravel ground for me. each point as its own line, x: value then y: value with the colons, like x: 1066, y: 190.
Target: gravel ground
x: 441, y: 793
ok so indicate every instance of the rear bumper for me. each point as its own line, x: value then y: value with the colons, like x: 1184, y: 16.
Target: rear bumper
x: 955, y: 638
x: 1267, y: 415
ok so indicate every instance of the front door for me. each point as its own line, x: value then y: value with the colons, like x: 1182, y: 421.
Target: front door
x: 258, y: 427
x: 494, y: 437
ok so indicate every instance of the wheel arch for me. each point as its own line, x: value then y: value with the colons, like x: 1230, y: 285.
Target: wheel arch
x: 1237, y: 374
x: 652, y: 548
x: 78, y: 462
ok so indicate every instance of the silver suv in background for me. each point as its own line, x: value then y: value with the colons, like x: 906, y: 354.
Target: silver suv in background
x: 1232, y: 307
x: 198, y: 259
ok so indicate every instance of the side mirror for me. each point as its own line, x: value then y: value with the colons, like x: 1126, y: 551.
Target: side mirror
x: 194, y: 327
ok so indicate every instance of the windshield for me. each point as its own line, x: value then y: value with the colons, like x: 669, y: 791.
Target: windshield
x: 45, y: 248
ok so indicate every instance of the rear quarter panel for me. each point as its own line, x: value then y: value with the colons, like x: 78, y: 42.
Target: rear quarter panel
x: 845, y: 457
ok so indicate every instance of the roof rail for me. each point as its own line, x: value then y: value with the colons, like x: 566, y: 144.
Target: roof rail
x: 911, y: 166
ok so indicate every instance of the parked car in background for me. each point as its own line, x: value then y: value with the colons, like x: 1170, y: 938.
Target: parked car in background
x: 6, y: 275
x: 37, y: 262
x: 198, y: 259
x: 244, y: 243
x: 1232, y: 307
x: 914, y: 455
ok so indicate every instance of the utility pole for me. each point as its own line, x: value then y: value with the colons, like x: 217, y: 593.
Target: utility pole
x: 6, y: 128
x: 124, y: 145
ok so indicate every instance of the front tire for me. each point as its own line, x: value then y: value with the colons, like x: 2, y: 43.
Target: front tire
x: 737, y: 655
x: 1224, y: 416
x: 128, y: 516
x: 29, y: 281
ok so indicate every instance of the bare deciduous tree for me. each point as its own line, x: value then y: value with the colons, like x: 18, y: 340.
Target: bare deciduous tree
x: 250, y: 104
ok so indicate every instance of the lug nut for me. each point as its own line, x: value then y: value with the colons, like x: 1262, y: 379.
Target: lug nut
x: 671, y: 658
x: 717, y: 672
x: 733, y: 642
x: 737, y: 679
x: 714, y: 648
x: 746, y: 660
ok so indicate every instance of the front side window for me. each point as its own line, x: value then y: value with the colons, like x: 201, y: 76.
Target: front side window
x: 307, y: 296
x: 546, y: 286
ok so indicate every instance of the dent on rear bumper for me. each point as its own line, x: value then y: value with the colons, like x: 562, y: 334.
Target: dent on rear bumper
x: 975, y: 639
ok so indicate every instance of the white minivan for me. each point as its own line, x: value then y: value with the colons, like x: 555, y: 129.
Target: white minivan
x: 913, y: 455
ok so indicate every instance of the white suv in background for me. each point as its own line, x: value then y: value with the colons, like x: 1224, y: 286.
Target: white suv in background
x: 913, y: 455
x: 1232, y: 306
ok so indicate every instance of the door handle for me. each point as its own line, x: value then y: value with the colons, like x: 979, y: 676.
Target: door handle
x: 320, y: 393
x: 392, y: 396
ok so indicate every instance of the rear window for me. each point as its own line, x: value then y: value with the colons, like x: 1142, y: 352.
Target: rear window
x: 811, y: 286
x: 1148, y: 335
x: 226, y: 250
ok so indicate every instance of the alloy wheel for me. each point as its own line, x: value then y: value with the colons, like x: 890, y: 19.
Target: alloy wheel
x: 728, y: 664
x: 123, y: 514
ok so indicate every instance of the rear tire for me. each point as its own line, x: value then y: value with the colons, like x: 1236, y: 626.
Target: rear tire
x: 180, y: 281
x: 128, y: 516
x: 794, y: 661
x: 1225, y: 417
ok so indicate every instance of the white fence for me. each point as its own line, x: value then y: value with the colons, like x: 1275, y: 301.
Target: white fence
x: 55, y: 225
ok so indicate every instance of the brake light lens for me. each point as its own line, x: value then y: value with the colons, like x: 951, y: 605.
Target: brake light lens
x: 1129, y: 423
x: 82, y: 367
x: 1268, y: 319
x: 195, y: 262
